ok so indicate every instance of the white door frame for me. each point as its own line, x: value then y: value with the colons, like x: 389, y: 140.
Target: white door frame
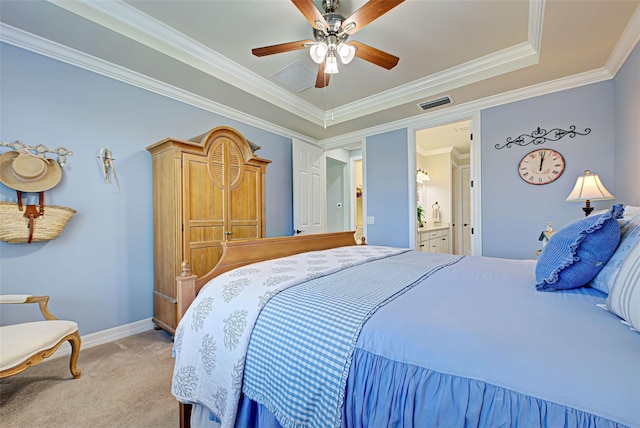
x: 475, y: 169
x: 352, y: 186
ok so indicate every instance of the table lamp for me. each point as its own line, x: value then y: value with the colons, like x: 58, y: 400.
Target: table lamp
x: 588, y: 188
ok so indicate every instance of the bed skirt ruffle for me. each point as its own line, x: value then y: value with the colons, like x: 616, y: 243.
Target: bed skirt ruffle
x: 403, y: 395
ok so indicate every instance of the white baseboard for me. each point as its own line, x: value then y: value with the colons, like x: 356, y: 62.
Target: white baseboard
x: 105, y: 336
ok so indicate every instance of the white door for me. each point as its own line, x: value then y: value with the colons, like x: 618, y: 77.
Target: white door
x: 308, y: 188
x: 466, y: 210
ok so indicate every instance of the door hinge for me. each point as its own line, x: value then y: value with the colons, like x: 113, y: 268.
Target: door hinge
x: 472, y: 230
x: 471, y: 137
x: 471, y: 183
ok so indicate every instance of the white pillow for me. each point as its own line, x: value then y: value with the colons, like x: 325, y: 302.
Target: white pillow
x: 629, y: 237
x: 624, y: 298
x: 631, y: 211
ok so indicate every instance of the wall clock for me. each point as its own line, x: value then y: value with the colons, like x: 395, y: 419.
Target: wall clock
x: 541, y: 166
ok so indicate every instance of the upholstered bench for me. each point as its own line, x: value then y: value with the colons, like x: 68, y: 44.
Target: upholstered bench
x: 27, y: 344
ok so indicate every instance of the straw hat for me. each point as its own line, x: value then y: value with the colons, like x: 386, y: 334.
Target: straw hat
x: 28, y: 172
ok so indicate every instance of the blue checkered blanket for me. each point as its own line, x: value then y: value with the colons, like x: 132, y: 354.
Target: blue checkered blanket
x: 212, y: 338
x: 300, y: 351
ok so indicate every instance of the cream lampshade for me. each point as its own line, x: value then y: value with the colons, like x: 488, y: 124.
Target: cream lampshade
x: 588, y: 188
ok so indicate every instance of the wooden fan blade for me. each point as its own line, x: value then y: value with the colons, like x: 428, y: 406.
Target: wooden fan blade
x: 311, y: 12
x: 375, y: 56
x: 283, y: 47
x: 371, y: 11
x: 322, y: 79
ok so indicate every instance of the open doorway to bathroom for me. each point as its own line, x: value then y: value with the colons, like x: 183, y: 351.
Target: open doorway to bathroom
x: 443, y: 192
x: 357, y: 214
x: 344, y: 190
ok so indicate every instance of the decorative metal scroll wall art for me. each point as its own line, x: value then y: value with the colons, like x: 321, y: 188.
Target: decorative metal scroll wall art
x: 40, y: 149
x: 541, y: 136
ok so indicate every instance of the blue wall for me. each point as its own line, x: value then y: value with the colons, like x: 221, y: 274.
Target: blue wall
x: 627, y: 116
x: 514, y: 212
x: 386, y: 172
x: 99, y: 272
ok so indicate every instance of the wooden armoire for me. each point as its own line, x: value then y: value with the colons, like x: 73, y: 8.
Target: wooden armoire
x: 205, y: 190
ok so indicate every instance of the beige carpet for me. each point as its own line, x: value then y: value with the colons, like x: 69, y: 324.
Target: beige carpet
x: 125, y: 383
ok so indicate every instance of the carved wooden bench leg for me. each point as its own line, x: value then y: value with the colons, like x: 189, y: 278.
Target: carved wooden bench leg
x: 75, y: 341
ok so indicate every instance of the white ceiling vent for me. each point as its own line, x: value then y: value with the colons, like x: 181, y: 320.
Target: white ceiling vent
x: 426, y: 105
x: 296, y: 76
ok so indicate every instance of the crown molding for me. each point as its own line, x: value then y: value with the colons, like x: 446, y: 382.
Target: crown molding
x: 626, y: 43
x: 462, y: 110
x: 42, y: 46
x: 509, y: 59
x: 57, y: 51
x: 124, y: 19
x: 506, y: 60
x: 443, y: 150
x: 536, y: 19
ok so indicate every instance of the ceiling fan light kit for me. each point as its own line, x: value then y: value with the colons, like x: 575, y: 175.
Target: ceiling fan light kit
x: 346, y: 52
x: 331, y: 65
x: 331, y: 37
x: 318, y: 52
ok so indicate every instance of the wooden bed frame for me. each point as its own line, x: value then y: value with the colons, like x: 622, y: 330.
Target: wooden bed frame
x: 240, y: 253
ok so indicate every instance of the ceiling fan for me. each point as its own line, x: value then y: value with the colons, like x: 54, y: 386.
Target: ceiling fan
x: 331, y: 31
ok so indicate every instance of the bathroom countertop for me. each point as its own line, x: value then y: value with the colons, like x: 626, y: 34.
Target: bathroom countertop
x: 430, y: 227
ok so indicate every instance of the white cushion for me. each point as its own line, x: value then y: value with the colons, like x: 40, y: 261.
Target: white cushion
x: 20, y: 341
x: 629, y: 236
x: 624, y: 298
x: 14, y: 298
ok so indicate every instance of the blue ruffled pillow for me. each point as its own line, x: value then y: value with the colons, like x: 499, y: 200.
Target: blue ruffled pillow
x: 576, y: 253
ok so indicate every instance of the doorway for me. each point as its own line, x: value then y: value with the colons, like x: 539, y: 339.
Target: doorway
x: 443, y: 153
x: 357, y: 214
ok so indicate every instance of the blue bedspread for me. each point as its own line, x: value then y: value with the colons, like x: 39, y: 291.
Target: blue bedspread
x: 301, y: 346
x: 475, y: 345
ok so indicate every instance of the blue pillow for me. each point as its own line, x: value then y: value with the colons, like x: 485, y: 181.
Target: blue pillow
x: 577, y: 252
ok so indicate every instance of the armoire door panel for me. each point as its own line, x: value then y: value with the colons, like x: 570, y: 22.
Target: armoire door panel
x: 202, y: 195
x: 202, y: 260
x: 203, y: 214
x: 245, y: 202
x: 244, y: 231
x: 205, y: 233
